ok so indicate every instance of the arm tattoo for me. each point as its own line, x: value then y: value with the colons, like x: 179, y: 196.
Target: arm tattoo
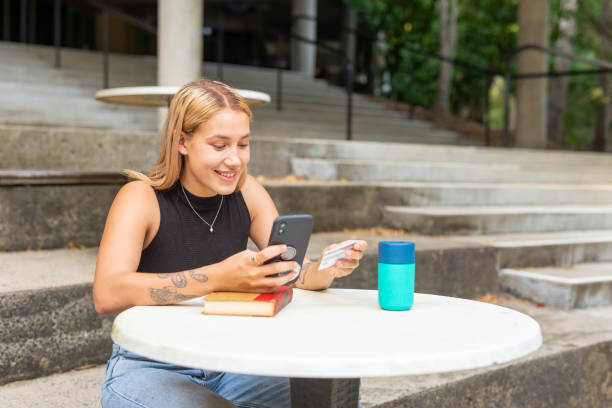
x: 200, y: 277
x: 178, y: 278
x: 305, y: 271
x: 168, y: 295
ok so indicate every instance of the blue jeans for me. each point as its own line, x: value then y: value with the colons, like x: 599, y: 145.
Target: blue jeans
x: 134, y: 381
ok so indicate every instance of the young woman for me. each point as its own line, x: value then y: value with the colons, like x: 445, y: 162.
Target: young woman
x: 181, y: 232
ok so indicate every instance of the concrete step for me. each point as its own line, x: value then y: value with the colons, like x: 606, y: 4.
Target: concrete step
x: 418, y: 170
x: 139, y: 69
x: 571, y: 370
x: 498, y: 220
x: 84, y: 110
x: 125, y: 63
x: 125, y: 120
x: 546, y: 248
x: 49, y: 322
x: 324, y: 109
x: 571, y: 286
x: 371, y: 124
x: 270, y: 156
x: 304, y: 131
x: 53, y: 216
x: 327, y: 113
x: 385, y: 152
x: 326, y: 105
x: 375, y: 196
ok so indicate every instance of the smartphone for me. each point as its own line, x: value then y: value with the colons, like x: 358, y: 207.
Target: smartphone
x: 293, y: 231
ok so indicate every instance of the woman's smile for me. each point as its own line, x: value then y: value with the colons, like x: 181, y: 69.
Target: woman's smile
x: 228, y: 176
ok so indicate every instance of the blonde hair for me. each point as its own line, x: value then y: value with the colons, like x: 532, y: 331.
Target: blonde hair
x: 195, y: 103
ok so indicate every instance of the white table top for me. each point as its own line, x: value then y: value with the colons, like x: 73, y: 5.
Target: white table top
x: 161, y: 95
x: 337, y: 333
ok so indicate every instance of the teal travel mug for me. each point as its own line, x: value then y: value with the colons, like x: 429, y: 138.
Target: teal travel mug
x: 395, y: 275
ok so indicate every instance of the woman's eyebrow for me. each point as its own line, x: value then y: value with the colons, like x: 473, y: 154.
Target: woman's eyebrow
x: 227, y: 137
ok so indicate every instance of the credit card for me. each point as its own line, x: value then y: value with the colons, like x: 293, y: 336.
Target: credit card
x: 330, y: 257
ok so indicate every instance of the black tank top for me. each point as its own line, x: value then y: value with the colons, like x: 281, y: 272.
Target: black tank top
x: 184, y: 242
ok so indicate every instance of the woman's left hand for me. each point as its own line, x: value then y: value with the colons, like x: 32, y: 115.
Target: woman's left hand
x: 346, y: 266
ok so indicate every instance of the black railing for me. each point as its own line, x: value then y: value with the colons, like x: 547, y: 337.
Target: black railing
x: 57, y: 34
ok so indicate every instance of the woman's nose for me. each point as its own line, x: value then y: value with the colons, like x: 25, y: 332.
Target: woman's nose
x: 232, y: 158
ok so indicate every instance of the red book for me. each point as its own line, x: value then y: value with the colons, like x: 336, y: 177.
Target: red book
x: 248, y: 304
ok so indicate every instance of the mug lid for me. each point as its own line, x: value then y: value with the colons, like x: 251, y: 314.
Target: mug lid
x: 396, y: 252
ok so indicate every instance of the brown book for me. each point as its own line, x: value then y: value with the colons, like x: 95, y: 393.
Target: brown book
x: 248, y: 304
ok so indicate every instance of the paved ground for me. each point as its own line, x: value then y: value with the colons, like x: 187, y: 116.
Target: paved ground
x: 68, y: 390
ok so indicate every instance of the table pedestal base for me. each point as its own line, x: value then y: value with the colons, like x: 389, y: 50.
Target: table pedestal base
x: 324, y: 393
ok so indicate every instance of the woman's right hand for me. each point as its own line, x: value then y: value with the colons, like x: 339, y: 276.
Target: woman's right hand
x: 245, y: 271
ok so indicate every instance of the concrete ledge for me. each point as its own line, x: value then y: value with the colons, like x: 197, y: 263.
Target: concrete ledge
x: 420, y: 170
x: 50, y: 330
x: 546, y: 249
x: 498, y: 219
x: 47, y: 355
x: 53, y: 216
x: 47, y: 312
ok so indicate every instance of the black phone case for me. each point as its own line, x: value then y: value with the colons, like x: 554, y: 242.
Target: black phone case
x: 293, y: 231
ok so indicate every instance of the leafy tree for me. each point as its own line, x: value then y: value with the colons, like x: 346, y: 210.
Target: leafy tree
x: 486, y: 37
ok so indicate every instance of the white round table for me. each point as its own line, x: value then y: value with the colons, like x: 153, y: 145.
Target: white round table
x: 333, y: 334
x: 160, y: 96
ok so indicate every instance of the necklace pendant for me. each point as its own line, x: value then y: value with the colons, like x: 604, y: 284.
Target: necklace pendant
x: 211, y: 229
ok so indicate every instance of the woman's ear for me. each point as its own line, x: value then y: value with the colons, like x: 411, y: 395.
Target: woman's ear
x: 182, y: 148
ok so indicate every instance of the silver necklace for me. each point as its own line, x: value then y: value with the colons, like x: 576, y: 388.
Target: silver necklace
x: 199, y: 216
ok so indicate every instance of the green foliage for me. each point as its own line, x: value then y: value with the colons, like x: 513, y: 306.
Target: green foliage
x: 584, y: 95
x: 486, y: 34
x: 410, y: 28
x: 486, y: 38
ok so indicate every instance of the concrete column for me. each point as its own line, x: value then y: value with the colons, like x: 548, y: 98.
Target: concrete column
x: 179, y: 43
x: 304, y: 55
x: 531, y: 93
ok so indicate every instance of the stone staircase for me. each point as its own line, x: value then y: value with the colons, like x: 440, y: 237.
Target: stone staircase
x: 512, y: 200
x: 33, y: 92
